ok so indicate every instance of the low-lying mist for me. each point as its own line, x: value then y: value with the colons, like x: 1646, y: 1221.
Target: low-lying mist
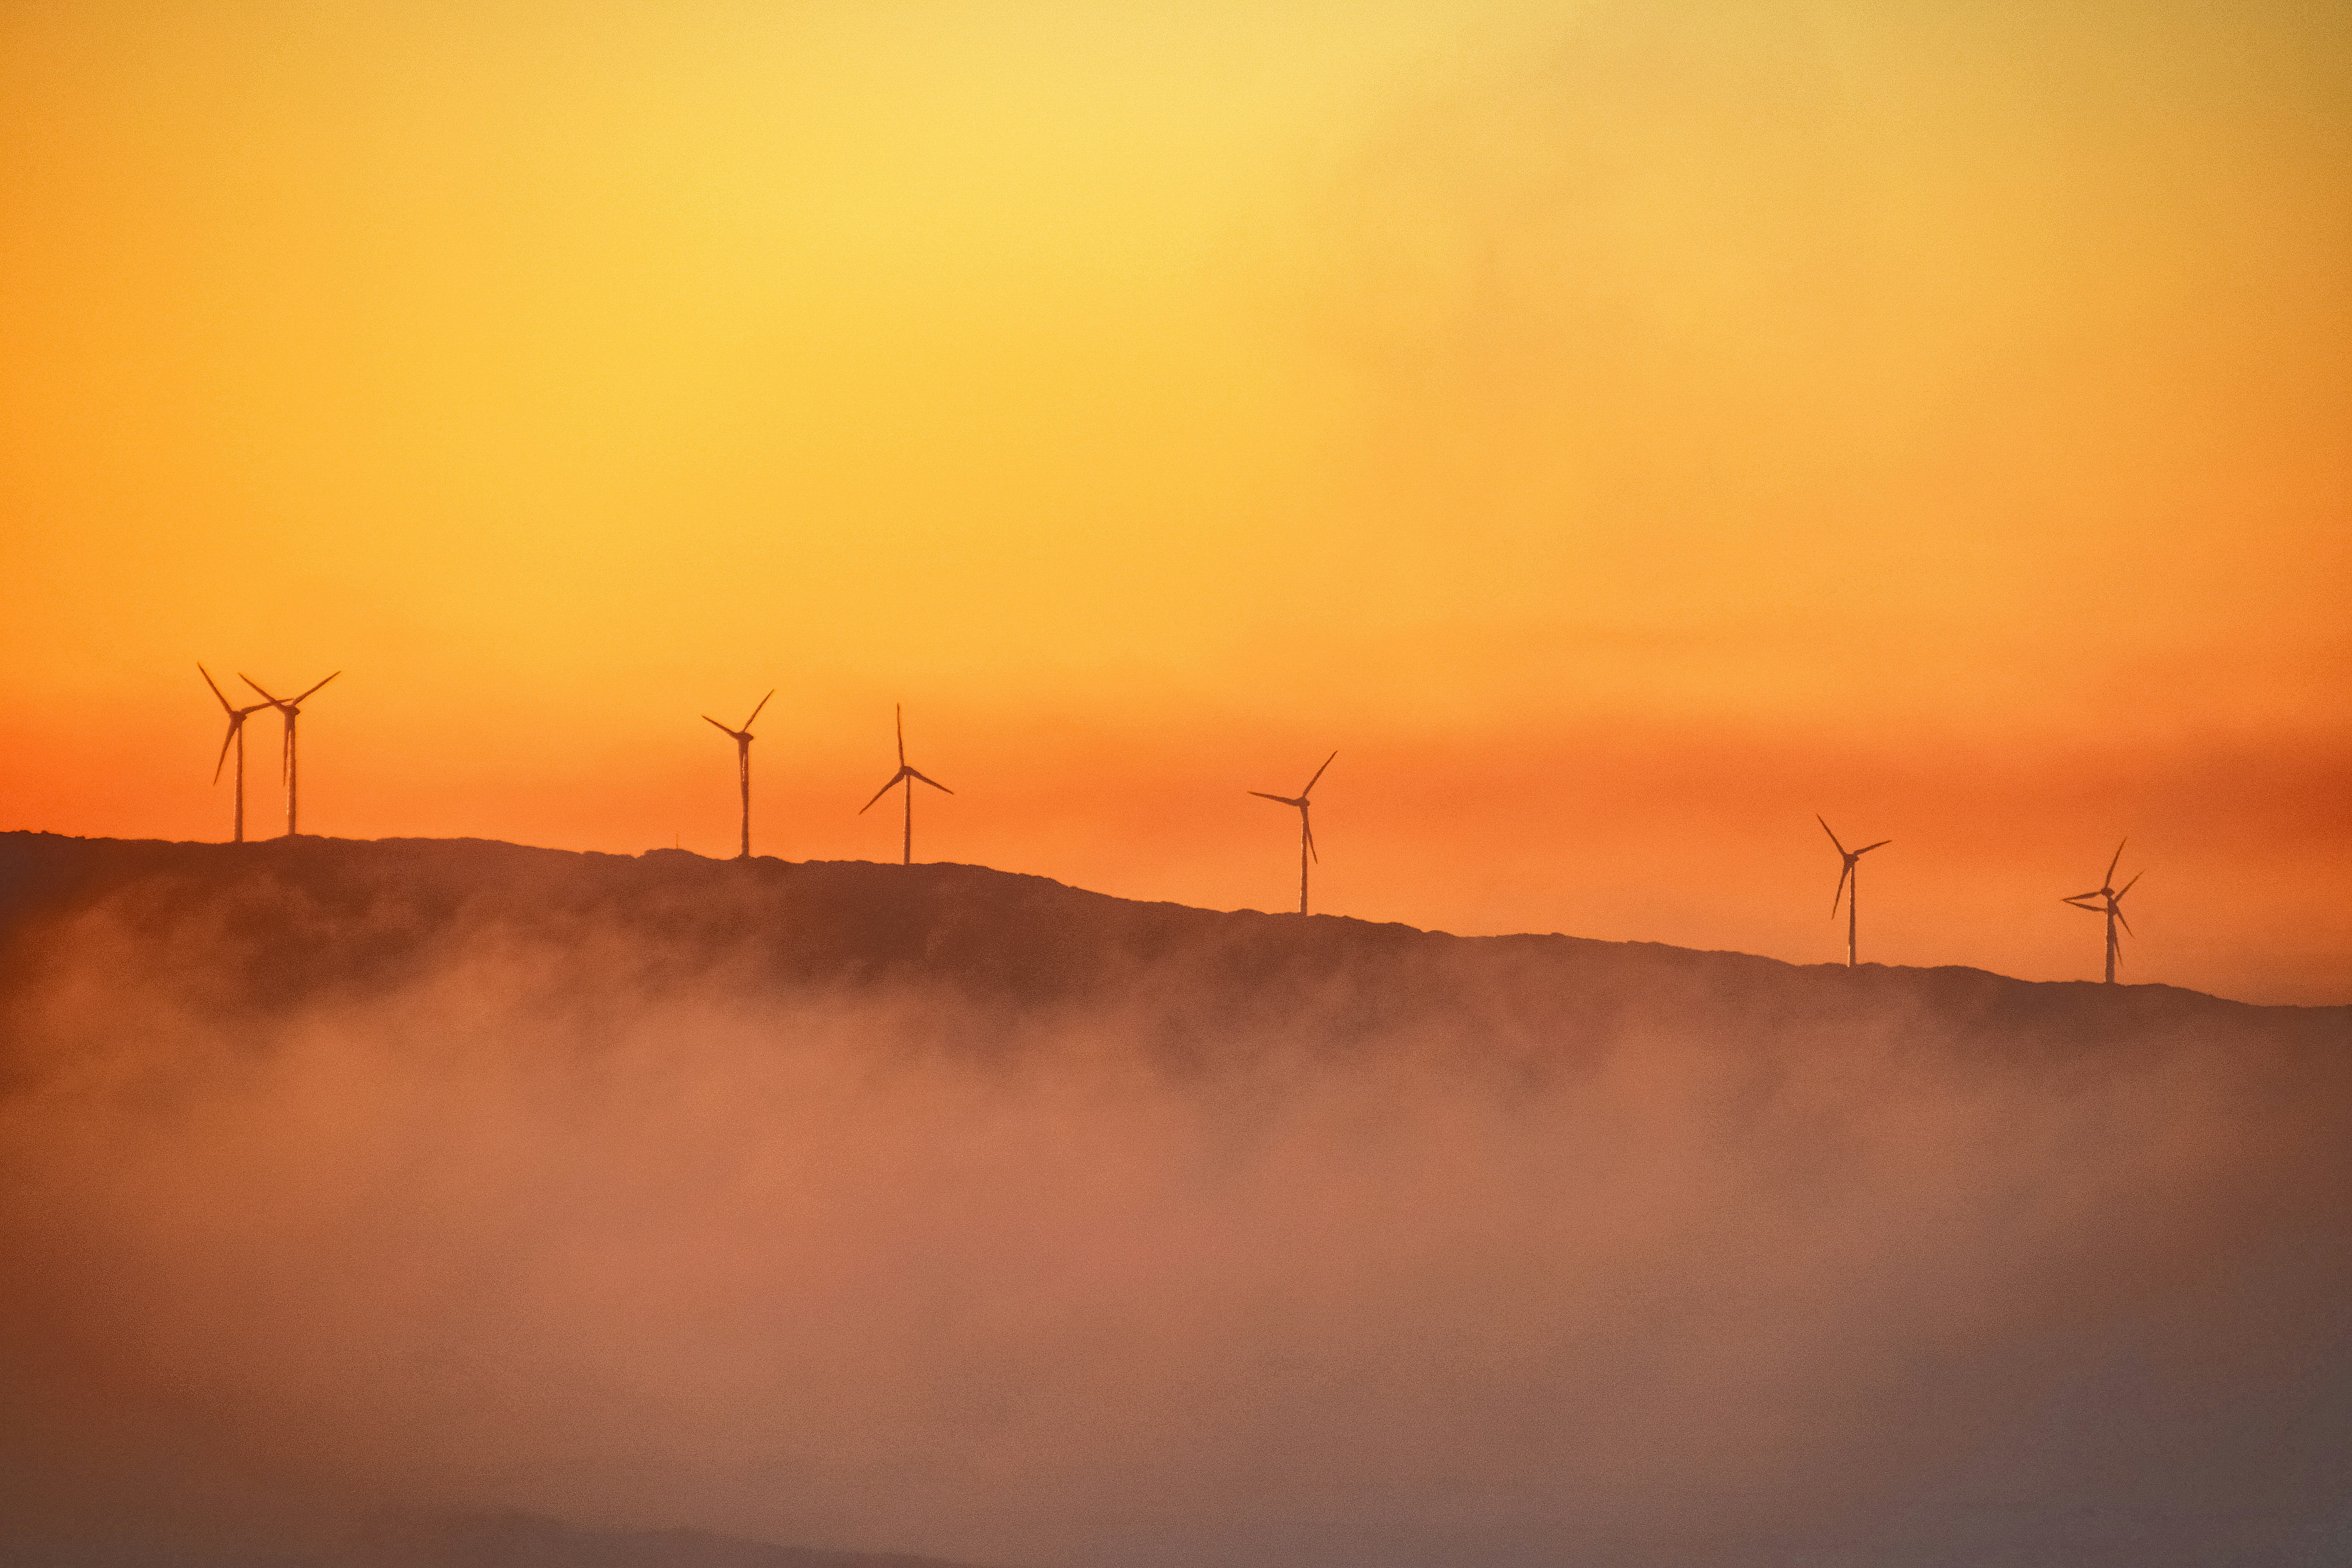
x: 317, y: 1203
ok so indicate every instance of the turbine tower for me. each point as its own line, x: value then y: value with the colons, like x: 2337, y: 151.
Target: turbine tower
x: 1306, y: 826
x: 290, y: 707
x: 1852, y: 872
x: 236, y: 717
x: 743, y: 768
x: 2111, y: 905
x: 908, y: 775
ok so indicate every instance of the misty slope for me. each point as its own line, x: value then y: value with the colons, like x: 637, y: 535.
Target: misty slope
x: 947, y: 1211
x: 318, y: 919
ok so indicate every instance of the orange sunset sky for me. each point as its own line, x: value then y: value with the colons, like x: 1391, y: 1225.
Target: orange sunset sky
x: 1621, y: 430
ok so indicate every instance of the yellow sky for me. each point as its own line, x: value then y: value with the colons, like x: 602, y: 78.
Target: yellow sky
x: 1941, y: 388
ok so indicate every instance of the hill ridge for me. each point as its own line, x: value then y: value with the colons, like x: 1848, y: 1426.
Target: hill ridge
x: 352, y: 919
x: 25, y: 886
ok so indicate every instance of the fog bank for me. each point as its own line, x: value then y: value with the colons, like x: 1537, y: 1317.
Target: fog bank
x: 938, y: 1211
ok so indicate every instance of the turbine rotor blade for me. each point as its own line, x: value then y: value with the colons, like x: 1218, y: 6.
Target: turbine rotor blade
x: 258, y: 687
x: 1826, y: 828
x: 216, y: 690
x: 316, y: 688
x: 918, y: 773
x: 1318, y: 774
x: 715, y: 724
x: 755, y: 712
x: 899, y: 711
x: 1842, y: 875
x: 1307, y: 827
x: 2127, y: 924
x: 1282, y: 799
x: 233, y: 725
x: 886, y: 789
x: 2109, y: 879
x: 1868, y: 847
x: 2127, y: 887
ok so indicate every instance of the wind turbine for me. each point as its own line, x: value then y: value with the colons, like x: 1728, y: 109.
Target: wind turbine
x: 236, y: 717
x: 291, y: 709
x: 1306, y: 826
x: 1852, y: 872
x: 743, y: 767
x: 908, y: 775
x: 2112, y: 905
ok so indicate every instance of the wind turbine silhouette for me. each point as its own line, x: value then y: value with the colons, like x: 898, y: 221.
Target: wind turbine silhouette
x: 1306, y: 828
x: 291, y: 709
x: 236, y: 717
x: 743, y: 767
x: 2112, y: 905
x: 1850, y: 872
x: 908, y: 775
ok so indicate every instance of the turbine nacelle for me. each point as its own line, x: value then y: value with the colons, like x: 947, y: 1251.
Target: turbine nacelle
x: 905, y: 771
x: 743, y: 736
x: 1851, y: 858
x: 288, y: 705
x: 2111, y: 895
x: 236, y: 718
x: 903, y: 774
x: 290, y: 709
x: 1306, y: 820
